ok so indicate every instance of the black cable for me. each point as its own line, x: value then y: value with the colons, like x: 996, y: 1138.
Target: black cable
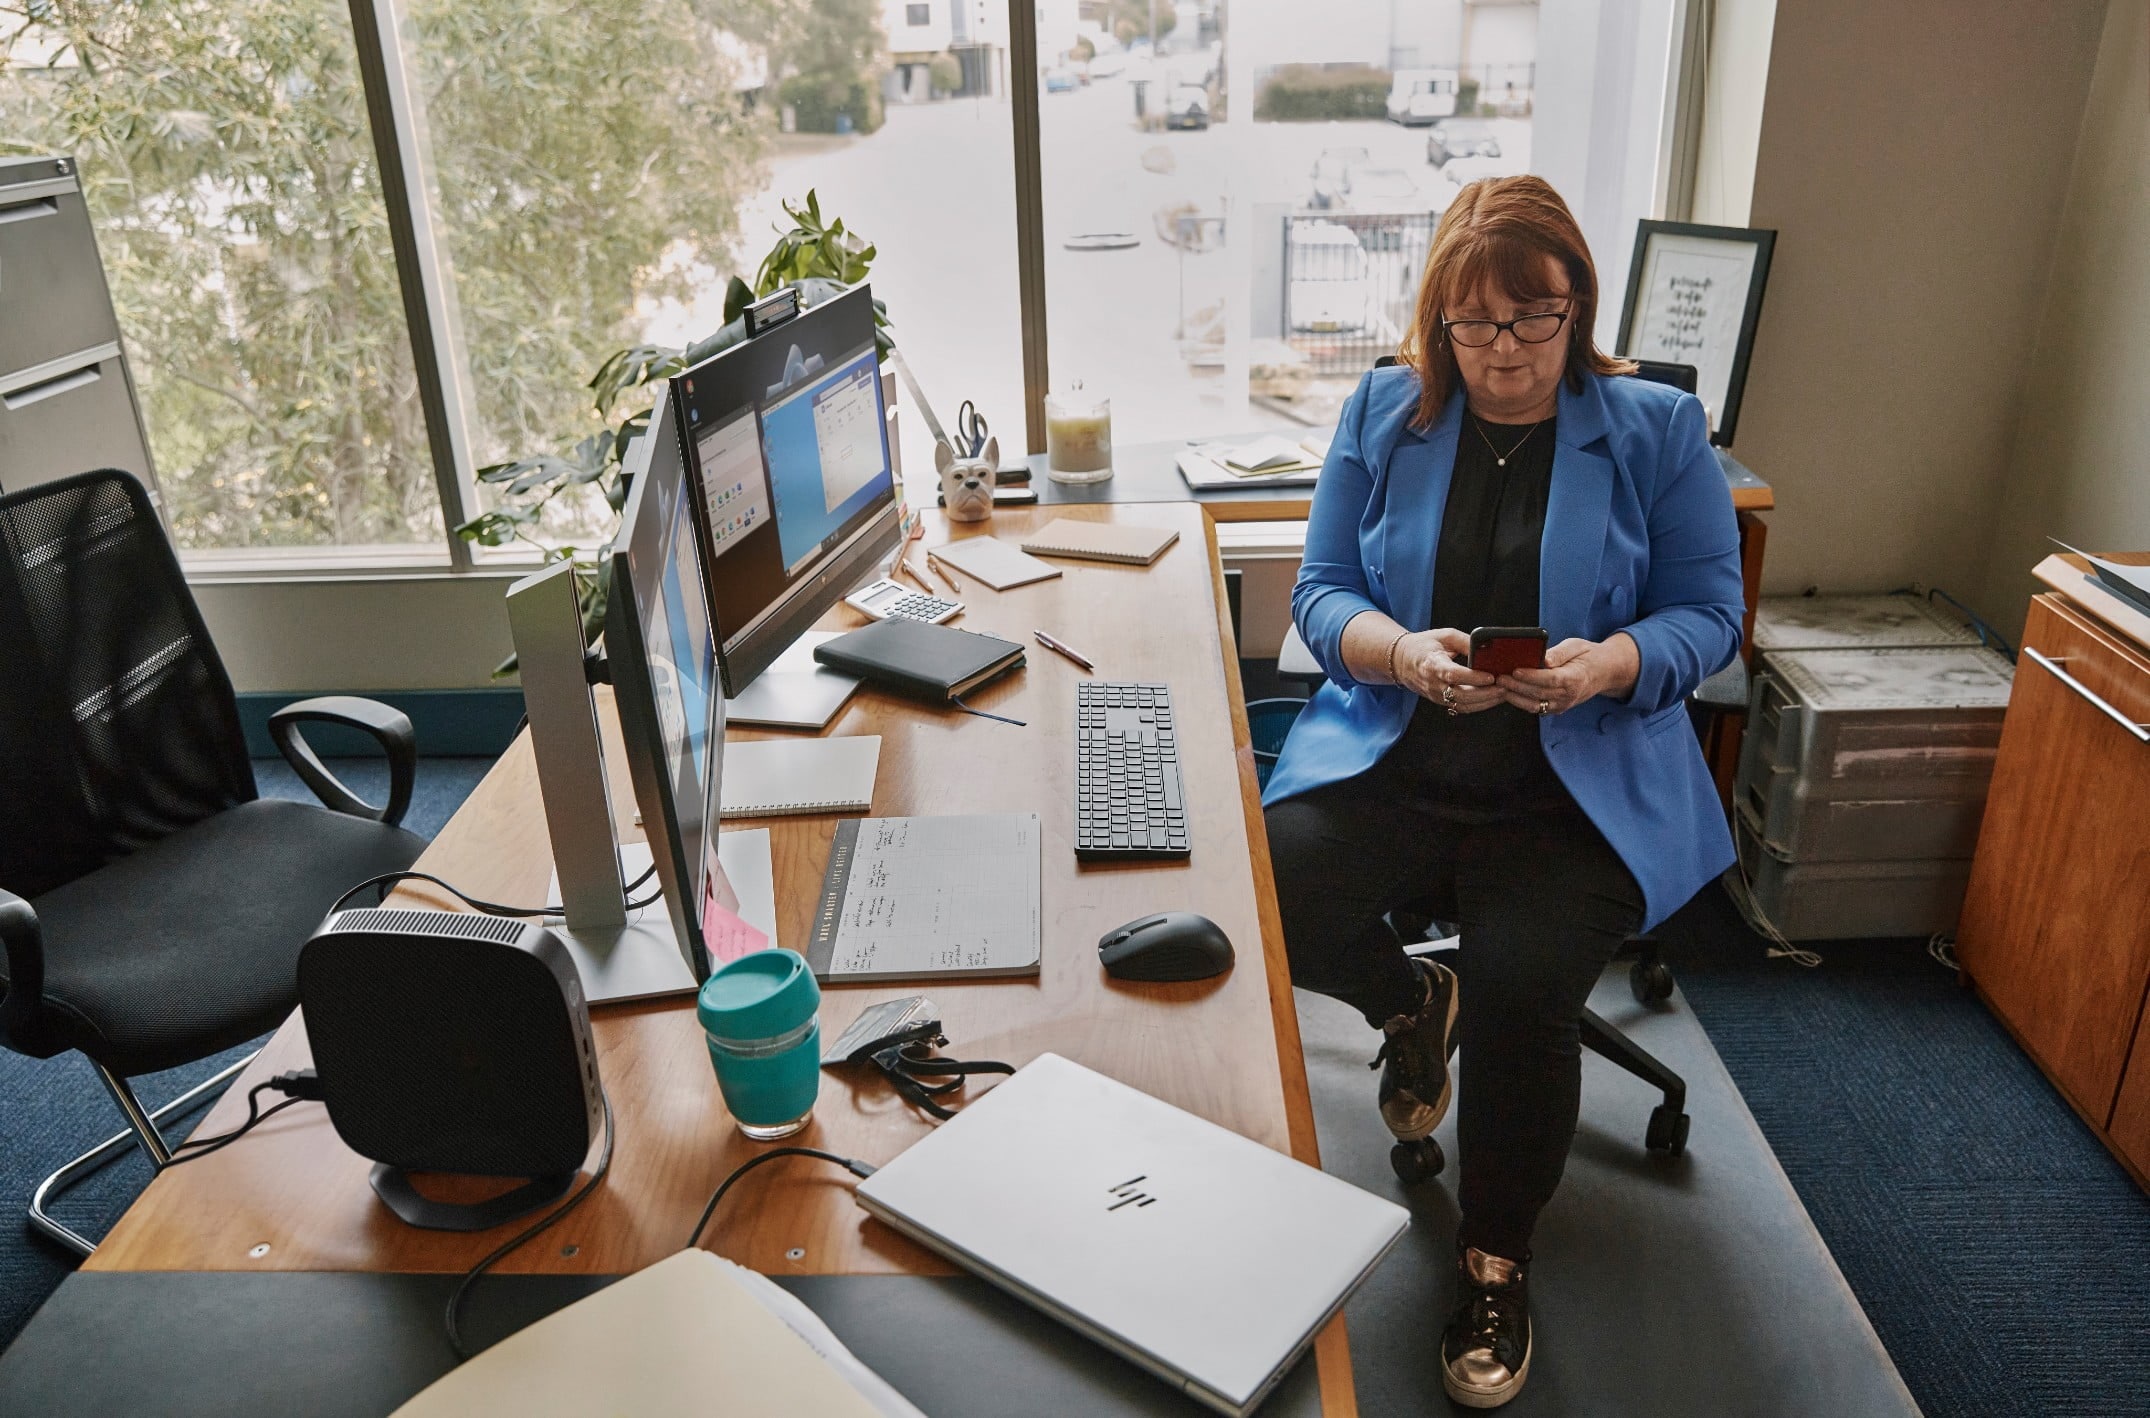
x: 470, y: 1276
x: 490, y: 908
x: 301, y: 1085
x: 856, y: 1168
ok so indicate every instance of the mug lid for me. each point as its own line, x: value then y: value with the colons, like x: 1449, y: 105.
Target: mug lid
x: 758, y: 996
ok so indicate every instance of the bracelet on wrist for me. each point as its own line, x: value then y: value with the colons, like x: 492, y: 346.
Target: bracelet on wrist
x: 1392, y: 656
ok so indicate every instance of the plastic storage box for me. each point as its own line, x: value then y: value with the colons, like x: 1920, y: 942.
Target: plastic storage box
x: 1862, y: 781
x: 1853, y: 623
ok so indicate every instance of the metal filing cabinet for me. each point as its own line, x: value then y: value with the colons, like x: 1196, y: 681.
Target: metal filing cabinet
x: 1862, y: 780
x: 67, y: 399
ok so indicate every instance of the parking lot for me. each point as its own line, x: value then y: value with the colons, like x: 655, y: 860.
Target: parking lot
x: 1161, y: 330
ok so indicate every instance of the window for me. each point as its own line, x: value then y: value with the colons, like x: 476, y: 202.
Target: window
x: 1239, y: 201
x: 1235, y: 204
x: 231, y: 176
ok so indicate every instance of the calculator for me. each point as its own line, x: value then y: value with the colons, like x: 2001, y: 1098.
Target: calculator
x: 892, y: 600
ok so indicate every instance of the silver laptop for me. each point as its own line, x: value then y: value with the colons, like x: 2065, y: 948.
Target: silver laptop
x: 1202, y: 1255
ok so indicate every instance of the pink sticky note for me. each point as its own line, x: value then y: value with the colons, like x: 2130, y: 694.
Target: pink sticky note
x: 724, y: 935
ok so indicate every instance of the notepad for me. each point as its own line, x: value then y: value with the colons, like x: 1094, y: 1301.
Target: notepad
x: 914, y: 898
x: 1101, y: 541
x: 1267, y: 455
x: 693, y: 1334
x: 778, y: 777
x: 994, y: 562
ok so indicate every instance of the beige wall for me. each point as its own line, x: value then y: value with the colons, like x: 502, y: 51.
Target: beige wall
x: 1913, y: 157
x: 2080, y: 466
x: 359, y: 633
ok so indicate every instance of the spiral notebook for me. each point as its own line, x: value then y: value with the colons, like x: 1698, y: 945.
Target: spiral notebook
x: 1101, y: 541
x: 915, y: 898
x: 782, y: 777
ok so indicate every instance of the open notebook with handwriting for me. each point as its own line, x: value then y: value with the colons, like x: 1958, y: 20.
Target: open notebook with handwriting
x: 914, y: 898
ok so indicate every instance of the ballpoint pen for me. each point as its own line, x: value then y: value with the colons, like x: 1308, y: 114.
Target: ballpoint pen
x: 1059, y: 649
x: 940, y: 569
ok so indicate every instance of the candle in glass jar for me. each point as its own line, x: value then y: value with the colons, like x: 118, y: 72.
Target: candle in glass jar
x: 1078, y: 437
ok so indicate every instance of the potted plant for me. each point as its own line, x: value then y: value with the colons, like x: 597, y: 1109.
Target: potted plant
x: 817, y: 255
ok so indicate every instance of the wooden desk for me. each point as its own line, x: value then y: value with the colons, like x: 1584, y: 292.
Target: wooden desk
x: 1227, y: 1049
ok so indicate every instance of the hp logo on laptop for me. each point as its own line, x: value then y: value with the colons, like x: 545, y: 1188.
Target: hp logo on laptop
x: 1128, y: 1194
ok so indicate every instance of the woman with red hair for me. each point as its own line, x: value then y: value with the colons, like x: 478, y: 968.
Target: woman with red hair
x: 1503, y: 474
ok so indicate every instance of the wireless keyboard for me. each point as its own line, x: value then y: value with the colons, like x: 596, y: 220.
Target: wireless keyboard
x: 1127, y: 773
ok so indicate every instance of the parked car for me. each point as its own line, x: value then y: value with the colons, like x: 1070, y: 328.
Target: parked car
x: 1421, y: 96
x: 1463, y: 171
x: 1061, y: 80
x: 1386, y: 193
x: 1187, y: 107
x: 1108, y: 63
x: 1461, y: 138
x: 1331, y: 289
x: 1328, y: 174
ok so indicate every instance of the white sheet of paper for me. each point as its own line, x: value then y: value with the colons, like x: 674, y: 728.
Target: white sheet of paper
x: 1694, y: 294
x: 940, y: 893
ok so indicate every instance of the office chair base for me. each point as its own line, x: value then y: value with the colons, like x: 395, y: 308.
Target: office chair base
x: 112, y: 1148
x: 1419, y: 1161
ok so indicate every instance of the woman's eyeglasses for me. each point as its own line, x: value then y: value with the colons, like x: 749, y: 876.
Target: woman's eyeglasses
x: 1530, y: 329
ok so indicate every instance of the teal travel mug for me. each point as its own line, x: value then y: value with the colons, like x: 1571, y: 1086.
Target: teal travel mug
x: 761, y: 1014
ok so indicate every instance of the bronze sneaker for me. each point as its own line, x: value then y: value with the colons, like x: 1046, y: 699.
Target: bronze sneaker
x: 1415, y: 1084
x: 1485, y: 1350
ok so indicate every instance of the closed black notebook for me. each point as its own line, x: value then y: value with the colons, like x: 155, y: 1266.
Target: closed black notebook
x: 937, y: 662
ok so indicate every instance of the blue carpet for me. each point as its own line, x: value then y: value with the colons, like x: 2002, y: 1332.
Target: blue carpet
x: 2000, y: 1251
x: 55, y: 1109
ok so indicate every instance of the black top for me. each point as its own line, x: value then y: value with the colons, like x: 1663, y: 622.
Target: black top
x: 1486, y: 573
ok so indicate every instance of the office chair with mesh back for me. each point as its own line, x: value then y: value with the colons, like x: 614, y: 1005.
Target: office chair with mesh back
x: 152, y: 906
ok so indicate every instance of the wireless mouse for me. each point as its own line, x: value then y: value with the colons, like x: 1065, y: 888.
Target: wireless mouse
x: 1177, y: 945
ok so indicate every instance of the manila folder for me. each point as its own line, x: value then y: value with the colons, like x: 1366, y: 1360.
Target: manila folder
x: 680, y: 1337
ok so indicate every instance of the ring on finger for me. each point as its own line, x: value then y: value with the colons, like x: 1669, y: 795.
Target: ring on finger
x: 1448, y: 696
x: 1545, y: 707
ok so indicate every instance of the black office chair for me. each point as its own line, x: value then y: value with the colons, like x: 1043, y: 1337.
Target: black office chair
x: 152, y: 906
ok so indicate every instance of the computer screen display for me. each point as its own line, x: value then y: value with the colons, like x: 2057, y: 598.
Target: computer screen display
x: 662, y: 647
x: 788, y: 441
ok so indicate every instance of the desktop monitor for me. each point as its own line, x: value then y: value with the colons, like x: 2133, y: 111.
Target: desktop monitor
x: 787, y: 437
x: 661, y: 646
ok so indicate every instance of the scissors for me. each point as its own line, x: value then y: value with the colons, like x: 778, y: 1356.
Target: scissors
x: 970, y: 430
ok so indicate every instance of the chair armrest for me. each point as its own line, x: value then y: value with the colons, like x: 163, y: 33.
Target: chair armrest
x: 24, y: 945
x: 390, y: 727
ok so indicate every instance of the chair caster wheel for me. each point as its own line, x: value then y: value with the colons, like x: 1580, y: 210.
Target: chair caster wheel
x: 1668, y: 1130
x: 1650, y: 981
x: 1419, y: 1161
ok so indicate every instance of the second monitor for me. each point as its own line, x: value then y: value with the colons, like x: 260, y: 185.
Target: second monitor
x: 787, y: 438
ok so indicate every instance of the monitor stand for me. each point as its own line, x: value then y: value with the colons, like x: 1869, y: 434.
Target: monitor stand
x: 642, y: 959
x: 639, y: 958
x: 795, y: 692
x: 621, y: 954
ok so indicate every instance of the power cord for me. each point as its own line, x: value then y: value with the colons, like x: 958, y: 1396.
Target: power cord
x: 856, y: 1168
x: 490, y: 908
x: 1750, y: 910
x: 470, y: 1276
x: 303, y: 1086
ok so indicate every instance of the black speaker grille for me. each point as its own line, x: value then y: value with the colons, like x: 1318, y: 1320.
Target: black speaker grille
x: 466, y: 925
x: 444, y: 1047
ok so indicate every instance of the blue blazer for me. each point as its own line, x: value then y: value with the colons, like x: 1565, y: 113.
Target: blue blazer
x: 1639, y: 536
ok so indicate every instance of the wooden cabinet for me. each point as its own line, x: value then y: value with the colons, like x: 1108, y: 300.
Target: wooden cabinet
x: 2055, y: 931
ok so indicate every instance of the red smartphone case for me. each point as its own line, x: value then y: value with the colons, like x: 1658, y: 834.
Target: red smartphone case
x: 1508, y: 653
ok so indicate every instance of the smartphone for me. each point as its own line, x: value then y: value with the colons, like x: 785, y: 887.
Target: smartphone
x: 1503, y: 649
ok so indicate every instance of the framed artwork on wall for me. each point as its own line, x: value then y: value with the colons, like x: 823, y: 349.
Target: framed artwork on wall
x: 1694, y: 297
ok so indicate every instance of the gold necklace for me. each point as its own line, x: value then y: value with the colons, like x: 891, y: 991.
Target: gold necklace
x: 1500, y: 459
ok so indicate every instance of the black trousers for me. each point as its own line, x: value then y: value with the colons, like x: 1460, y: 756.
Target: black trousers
x: 1543, y: 902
